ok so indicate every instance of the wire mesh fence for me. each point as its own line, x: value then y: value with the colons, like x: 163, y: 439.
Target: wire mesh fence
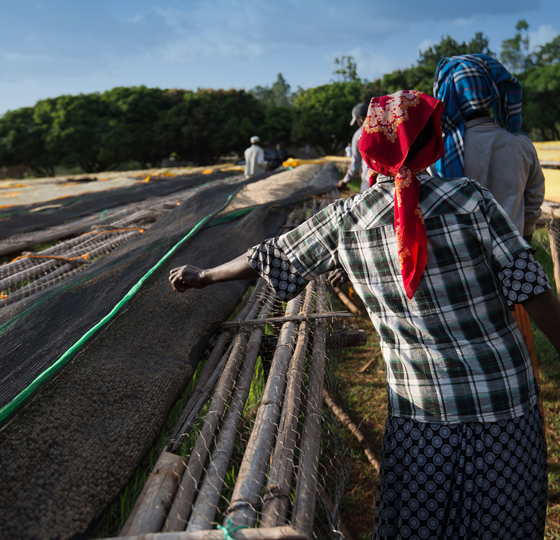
x: 255, y: 454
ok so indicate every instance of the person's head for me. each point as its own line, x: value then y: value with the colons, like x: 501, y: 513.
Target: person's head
x: 359, y: 113
x: 255, y: 140
x: 402, y: 129
x: 400, y: 136
x: 470, y: 86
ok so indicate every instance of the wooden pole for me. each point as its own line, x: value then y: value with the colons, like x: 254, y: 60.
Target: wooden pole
x: 276, y: 533
x: 304, y: 505
x: 150, y: 510
x: 210, y: 373
x: 181, y: 507
x: 346, y: 301
x: 277, y: 494
x: 205, y: 507
x: 288, y: 318
x: 242, y: 510
x: 345, y: 420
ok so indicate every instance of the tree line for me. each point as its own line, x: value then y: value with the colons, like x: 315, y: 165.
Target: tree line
x: 102, y: 131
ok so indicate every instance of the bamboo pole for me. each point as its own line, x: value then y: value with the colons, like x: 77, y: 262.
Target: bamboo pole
x: 277, y: 494
x: 345, y: 420
x: 152, y: 505
x: 304, y: 504
x: 275, y: 533
x: 204, y: 510
x: 246, y: 496
x: 181, y: 507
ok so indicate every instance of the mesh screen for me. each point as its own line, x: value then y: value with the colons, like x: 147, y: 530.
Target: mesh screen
x: 72, y: 445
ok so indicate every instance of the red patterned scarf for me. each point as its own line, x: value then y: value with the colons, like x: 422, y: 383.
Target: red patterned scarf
x: 392, y: 125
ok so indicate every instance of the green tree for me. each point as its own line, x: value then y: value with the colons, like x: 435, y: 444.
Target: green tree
x: 22, y: 142
x: 549, y: 53
x: 323, y: 115
x: 78, y: 132
x: 346, y: 69
x: 515, y: 51
x: 215, y: 122
x: 135, y: 114
x: 277, y: 126
x: 277, y: 95
x: 541, y: 101
x: 431, y: 56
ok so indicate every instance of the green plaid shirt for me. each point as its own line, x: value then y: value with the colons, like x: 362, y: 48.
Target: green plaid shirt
x: 453, y: 353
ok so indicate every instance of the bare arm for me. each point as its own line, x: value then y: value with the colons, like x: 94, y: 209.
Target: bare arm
x: 544, y: 309
x: 189, y: 277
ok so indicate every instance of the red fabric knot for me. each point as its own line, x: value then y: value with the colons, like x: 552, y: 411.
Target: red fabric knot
x: 392, y: 125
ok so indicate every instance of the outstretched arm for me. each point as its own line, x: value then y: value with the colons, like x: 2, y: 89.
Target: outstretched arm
x: 544, y: 309
x: 189, y: 277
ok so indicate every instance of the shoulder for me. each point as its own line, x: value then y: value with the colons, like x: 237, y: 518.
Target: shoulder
x: 450, y: 195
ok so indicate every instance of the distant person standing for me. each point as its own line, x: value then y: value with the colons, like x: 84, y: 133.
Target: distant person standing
x: 359, y: 113
x: 348, y: 150
x: 254, y: 158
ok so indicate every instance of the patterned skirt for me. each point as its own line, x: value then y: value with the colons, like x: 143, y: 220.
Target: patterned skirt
x: 463, y: 481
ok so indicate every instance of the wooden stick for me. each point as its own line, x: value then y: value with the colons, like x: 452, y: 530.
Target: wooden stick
x: 181, y: 507
x: 246, y: 496
x: 347, y: 302
x: 345, y: 420
x: 210, y: 374
x: 150, y: 510
x: 342, y: 340
x: 305, y: 498
x: 204, y: 510
x: 375, y: 357
x: 288, y: 318
x: 277, y: 493
x: 275, y: 533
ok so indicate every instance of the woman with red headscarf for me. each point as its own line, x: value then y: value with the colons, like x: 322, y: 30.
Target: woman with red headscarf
x: 438, y: 266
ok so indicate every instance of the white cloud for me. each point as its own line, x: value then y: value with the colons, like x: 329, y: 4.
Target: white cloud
x: 425, y: 44
x: 544, y: 34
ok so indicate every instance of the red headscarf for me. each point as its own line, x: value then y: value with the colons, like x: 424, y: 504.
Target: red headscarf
x: 393, y: 123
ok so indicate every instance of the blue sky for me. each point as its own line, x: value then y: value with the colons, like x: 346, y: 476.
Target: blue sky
x: 54, y: 47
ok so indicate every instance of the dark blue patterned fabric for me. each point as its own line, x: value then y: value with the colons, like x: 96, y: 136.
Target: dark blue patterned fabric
x: 471, y: 83
x: 469, y: 481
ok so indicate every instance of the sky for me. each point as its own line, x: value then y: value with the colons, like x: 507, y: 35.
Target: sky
x: 55, y: 47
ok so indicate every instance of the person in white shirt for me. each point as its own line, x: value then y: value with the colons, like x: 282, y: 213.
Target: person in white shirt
x: 254, y: 158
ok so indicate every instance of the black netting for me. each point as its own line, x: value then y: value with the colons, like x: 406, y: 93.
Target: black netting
x: 72, y: 447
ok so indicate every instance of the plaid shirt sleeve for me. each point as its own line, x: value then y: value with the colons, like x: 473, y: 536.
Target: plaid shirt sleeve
x: 312, y: 247
x: 288, y: 262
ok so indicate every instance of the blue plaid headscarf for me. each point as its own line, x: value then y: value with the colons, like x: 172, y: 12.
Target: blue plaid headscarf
x: 467, y: 84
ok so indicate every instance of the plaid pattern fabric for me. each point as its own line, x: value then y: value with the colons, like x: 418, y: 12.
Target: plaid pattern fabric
x: 467, y: 84
x: 453, y: 353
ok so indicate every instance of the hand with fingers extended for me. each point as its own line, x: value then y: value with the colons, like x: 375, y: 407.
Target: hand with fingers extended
x: 187, y: 277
